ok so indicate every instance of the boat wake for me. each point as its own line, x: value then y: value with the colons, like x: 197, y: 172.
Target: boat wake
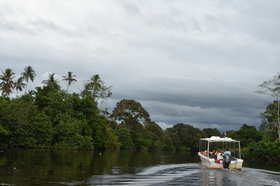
x: 246, y: 176
x: 186, y: 174
x: 157, y: 175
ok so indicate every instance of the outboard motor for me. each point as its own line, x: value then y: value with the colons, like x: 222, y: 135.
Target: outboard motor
x: 226, y: 161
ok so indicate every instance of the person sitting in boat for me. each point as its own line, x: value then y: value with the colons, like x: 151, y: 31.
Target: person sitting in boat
x: 205, y: 152
x: 214, y: 154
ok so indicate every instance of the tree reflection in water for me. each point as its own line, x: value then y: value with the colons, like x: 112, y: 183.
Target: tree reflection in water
x: 60, y: 167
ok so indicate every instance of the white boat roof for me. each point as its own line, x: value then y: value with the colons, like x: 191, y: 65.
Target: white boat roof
x: 219, y: 139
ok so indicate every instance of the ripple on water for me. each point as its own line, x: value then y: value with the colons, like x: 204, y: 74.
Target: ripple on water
x: 189, y: 174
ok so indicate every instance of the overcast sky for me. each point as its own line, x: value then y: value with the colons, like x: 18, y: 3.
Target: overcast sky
x: 196, y: 62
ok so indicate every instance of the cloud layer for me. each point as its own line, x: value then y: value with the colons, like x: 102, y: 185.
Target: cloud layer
x: 196, y: 62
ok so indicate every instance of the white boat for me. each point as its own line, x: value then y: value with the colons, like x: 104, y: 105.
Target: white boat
x: 218, y: 161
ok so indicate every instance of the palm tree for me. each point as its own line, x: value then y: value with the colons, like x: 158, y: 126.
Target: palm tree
x: 96, y: 84
x: 70, y: 79
x: 97, y: 88
x: 28, y: 73
x: 86, y: 91
x: 52, y: 82
x: 92, y: 86
x: 19, y: 85
x: 7, y: 84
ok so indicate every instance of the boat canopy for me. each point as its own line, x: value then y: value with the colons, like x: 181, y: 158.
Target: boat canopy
x: 218, y: 139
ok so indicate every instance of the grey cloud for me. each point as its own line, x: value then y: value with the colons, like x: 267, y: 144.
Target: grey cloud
x: 194, y: 62
x: 130, y: 7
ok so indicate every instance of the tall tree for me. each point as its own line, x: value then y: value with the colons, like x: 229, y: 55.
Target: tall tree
x: 131, y: 114
x: 172, y: 138
x: 247, y: 134
x: 52, y: 82
x: 268, y: 125
x: 272, y: 89
x: 211, y: 132
x: 19, y: 84
x: 154, y: 128
x: 269, y: 117
x: 188, y: 135
x: 7, y: 83
x: 96, y: 88
x: 86, y: 91
x: 70, y: 79
x: 96, y: 84
x: 28, y: 74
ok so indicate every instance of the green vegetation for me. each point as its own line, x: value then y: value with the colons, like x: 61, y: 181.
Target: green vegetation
x: 50, y: 117
x: 265, y: 142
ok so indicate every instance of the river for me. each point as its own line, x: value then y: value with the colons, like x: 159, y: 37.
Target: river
x: 59, y: 167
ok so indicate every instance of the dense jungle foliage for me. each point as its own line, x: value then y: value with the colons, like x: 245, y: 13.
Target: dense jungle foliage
x: 50, y: 117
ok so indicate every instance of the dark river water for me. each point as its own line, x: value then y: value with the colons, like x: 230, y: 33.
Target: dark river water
x: 59, y: 167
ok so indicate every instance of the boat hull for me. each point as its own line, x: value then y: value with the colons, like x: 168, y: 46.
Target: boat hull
x: 211, y: 163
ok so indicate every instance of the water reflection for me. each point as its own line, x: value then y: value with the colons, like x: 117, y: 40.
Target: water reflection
x: 57, y: 167
x: 37, y: 166
x: 269, y: 165
x: 211, y: 177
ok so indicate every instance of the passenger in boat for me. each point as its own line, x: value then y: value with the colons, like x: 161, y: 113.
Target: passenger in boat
x: 214, y: 154
x: 205, y: 152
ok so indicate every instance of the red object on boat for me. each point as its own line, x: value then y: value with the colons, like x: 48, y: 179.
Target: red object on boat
x: 217, y: 161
